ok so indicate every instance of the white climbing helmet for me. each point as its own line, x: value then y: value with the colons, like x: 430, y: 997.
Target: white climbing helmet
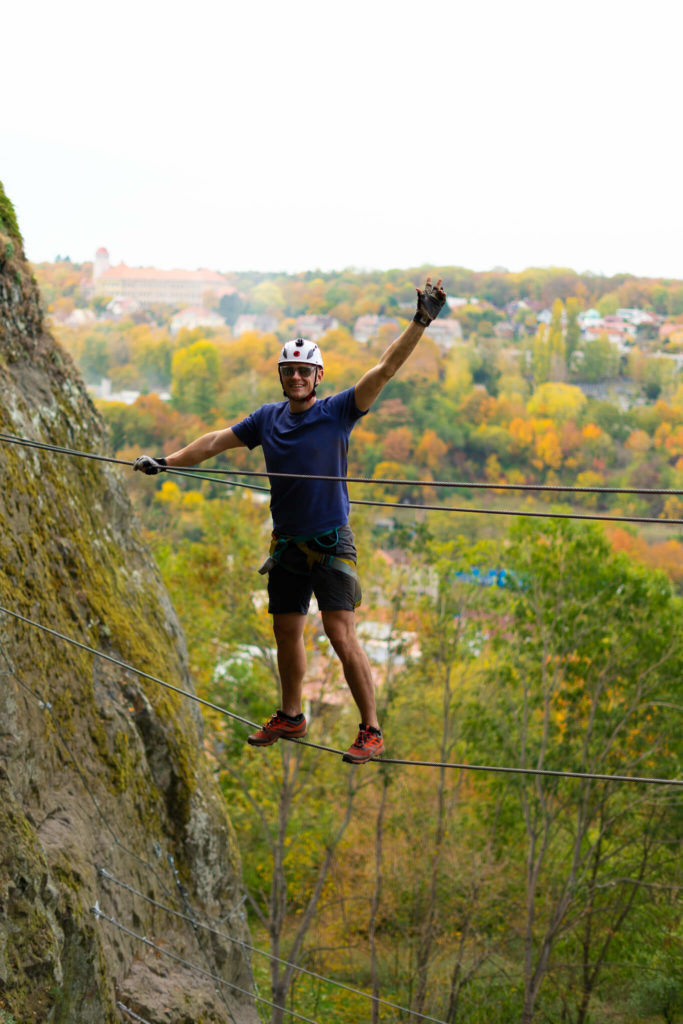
x: 301, y: 350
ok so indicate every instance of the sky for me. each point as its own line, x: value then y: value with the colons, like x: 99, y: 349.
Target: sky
x: 315, y: 135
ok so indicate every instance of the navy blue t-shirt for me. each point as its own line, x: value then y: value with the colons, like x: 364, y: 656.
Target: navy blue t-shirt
x: 314, y: 442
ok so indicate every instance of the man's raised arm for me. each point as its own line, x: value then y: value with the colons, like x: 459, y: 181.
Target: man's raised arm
x: 429, y: 304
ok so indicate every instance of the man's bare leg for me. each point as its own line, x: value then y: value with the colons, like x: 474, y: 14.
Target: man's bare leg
x: 340, y: 627
x: 291, y: 659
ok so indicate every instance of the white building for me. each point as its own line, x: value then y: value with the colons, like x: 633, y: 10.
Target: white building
x: 313, y: 327
x: 446, y: 333
x: 368, y: 326
x: 149, y: 285
x: 193, y: 317
x: 262, y: 323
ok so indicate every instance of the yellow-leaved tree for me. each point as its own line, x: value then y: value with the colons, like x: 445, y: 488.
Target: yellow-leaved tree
x: 558, y: 401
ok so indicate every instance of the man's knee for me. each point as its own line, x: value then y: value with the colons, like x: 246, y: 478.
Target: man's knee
x: 340, y: 628
x: 288, y: 629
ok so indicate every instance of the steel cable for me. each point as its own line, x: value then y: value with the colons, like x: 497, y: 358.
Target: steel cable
x: 195, y: 473
x: 464, y: 766
x: 270, y: 956
x: 100, y: 915
x: 130, y: 1013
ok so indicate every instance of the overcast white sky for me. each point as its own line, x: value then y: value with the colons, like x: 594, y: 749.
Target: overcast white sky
x: 298, y: 135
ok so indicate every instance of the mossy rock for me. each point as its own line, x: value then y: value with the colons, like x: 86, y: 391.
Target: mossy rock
x: 99, y: 767
x: 8, y: 217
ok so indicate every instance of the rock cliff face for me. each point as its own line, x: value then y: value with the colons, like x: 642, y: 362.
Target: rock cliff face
x: 106, y: 798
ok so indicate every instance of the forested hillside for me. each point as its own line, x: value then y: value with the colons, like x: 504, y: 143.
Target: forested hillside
x: 540, y: 381
x: 432, y: 882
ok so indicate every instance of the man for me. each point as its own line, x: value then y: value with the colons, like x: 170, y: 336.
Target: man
x: 313, y: 550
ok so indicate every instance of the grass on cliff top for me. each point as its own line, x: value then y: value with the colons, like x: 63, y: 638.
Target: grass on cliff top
x: 8, y: 218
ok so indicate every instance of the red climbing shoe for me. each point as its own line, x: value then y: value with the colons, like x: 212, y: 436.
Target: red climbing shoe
x: 368, y: 744
x: 278, y: 728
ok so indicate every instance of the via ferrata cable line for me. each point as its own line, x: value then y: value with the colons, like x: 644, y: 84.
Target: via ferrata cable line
x: 463, y: 766
x: 100, y: 915
x: 398, y: 482
x: 261, y: 952
x: 188, y: 916
x: 198, y: 474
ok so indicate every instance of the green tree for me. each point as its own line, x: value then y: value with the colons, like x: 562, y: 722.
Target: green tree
x: 153, y: 359
x: 118, y: 418
x: 450, y: 623
x: 572, y: 338
x: 541, y: 355
x: 230, y: 306
x: 195, y: 378
x: 267, y: 297
x: 586, y: 685
x: 608, y: 304
x: 659, y: 375
x: 599, y: 360
x: 95, y: 361
x: 675, y: 301
x: 658, y: 988
x: 556, y: 345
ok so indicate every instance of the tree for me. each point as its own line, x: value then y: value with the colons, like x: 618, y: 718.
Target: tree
x: 152, y: 356
x: 431, y: 450
x: 541, y: 355
x: 451, y: 628
x: 556, y: 345
x: 608, y: 304
x: 560, y: 402
x: 659, y: 375
x: 266, y: 297
x: 572, y: 338
x: 585, y: 686
x: 599, y: 360
x: 281, y: 831
x: 230, y: 306
x: 398, y: 445
x: 94, y: 361
x: 658, y: 988
x: 195, y: 378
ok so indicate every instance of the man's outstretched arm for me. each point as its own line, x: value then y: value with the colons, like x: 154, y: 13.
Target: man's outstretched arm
x: 429, y: 304
x: 205, y: 447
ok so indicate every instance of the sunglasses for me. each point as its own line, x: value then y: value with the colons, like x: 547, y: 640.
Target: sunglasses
x: 303, y: 370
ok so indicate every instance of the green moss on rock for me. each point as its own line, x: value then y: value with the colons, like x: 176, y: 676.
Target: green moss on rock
x: 113, y: 774
x: 8, y: 217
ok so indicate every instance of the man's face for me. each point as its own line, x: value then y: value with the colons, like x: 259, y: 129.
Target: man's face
x: 299, y: 379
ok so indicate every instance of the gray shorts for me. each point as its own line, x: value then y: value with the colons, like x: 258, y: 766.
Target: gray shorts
x: 291, y: 584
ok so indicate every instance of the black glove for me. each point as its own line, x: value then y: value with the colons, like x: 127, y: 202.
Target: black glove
x: 430, y: 302
x: 146, y: 464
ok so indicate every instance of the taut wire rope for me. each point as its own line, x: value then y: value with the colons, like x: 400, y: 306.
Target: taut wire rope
x: 192, y: 919
x: 464, y: 766
x: 131, y: 1015
x: 47, y: 706
x: 461, y: 484
x: 189, y: 917
x: 199, y: 474
x: 100, y: 915
x: 261, y: 952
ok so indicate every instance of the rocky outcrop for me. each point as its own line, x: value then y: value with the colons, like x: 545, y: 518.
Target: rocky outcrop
x: 106, y: 798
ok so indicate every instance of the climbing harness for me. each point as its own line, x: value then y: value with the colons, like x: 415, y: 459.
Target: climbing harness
x: 279, y: 546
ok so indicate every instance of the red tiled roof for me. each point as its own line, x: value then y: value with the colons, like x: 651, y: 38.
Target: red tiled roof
x: 152, y: 274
